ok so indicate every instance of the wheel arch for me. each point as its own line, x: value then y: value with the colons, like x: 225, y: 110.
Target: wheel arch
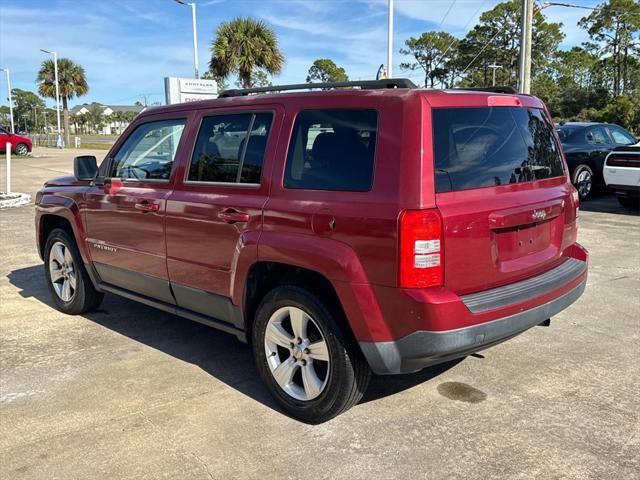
x: 264, y: 276
x: 60, y: 212
x: 588, y: 163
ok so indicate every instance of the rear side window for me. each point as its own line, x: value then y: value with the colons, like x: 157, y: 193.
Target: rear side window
x: 488, y: 146
x: 332, y: 150
x: 596, y: 135
x: 230, y: 148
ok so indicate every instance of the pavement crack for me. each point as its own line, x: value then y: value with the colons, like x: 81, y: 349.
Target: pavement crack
x: 204, y: 464
x: 178, y: 449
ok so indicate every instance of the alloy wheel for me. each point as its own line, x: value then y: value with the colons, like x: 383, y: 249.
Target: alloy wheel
x: 297, y: 353
x: 62, y: 271
x: 22, y: 149
x: 584, y: 182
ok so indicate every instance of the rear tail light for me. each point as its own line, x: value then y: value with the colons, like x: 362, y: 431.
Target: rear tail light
x: 421, y: 249
x: 617, y: 160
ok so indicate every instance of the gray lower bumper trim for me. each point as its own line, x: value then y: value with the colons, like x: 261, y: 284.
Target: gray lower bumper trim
x: 500, y: 297
x: 423, y: 348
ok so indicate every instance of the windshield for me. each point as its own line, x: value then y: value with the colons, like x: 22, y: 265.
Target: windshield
x: 489, y: 146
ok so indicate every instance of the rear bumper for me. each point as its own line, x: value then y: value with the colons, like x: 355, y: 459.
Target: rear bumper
x: 629, y: 191
x: 422, y: 348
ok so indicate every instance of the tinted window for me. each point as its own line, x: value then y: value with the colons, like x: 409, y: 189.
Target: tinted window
x: 332, y: 150
x: 480, y: 147
x: 148, y: 153
x: 230, y: 148
x: 597, y: 135
x: 620, y: 136
x: 566, y: 133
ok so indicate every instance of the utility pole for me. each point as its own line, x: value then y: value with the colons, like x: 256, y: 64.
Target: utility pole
x: 390, y: 42
x: 524, y: 81
x: 13, y: 130
x: 494, y: 66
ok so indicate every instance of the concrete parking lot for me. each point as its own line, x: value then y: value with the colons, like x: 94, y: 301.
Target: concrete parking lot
x: 132, y: 392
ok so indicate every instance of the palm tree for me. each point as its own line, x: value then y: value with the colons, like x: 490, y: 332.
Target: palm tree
x: 71, y: 81
x: 243, y: 45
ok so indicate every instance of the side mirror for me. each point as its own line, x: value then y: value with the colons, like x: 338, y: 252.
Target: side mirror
x: 85, y: 167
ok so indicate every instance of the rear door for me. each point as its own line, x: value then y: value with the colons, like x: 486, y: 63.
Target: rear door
x: 502, y: 191
x: 215, y: 211
x: 600, y: 144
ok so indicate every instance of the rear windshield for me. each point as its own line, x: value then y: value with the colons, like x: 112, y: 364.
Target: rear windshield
x: 488, y: 146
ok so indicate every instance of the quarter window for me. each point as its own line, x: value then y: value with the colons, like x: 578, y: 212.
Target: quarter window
x: 621, y: 137
x: 230, y: 148
x: 149, y: 152
x: 332, y: 150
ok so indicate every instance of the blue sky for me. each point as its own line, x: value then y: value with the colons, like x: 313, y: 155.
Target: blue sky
x: 128, y: 47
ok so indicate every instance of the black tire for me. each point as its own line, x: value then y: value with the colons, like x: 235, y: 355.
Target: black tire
x: 632, y: 203
x: 21, y: 149
x: 583, y: 181
x: 85, y: 296
x: 347, y: 373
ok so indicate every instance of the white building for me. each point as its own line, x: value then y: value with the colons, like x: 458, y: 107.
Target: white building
x: 114, y: 125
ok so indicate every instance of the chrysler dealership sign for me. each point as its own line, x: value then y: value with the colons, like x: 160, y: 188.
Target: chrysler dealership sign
x: 181, y: 90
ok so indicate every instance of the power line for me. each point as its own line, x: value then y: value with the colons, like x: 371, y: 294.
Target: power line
x: 454, y: 39
x: 571, y: 5
x: 476, y: 57
x: 446, y: 14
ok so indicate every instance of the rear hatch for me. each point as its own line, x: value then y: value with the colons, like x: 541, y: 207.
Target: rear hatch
x: 501, y: 188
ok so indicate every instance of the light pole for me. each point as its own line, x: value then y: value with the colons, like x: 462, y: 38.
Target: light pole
x: 59, y: 143
x: 195, y: 33
x: 390, y: 41
x: 10, y: 98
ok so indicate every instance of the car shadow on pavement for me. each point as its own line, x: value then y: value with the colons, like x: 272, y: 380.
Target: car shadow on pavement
x: 605, y: 202
x: 216, y: 352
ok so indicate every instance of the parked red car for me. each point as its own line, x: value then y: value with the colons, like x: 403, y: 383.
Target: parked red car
x: 340, y: 232
x: 19, y: 145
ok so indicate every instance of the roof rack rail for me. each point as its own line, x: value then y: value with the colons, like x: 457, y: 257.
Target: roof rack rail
x: 503, y: 89
x: 364, y: 84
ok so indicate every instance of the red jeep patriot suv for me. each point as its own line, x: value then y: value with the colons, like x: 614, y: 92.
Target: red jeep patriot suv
x: 379, y: 228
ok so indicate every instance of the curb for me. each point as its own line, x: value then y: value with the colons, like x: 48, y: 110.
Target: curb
x: 9, y: 200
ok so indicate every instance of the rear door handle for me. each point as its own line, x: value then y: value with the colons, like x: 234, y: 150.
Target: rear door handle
x: 233, y: 216
x: 145, y: 206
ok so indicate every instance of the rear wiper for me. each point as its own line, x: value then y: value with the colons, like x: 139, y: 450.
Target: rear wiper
x: 531, y: 169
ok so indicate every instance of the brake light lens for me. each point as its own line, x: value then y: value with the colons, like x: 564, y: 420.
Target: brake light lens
x: 620, y: 160
x: 421, y: 249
